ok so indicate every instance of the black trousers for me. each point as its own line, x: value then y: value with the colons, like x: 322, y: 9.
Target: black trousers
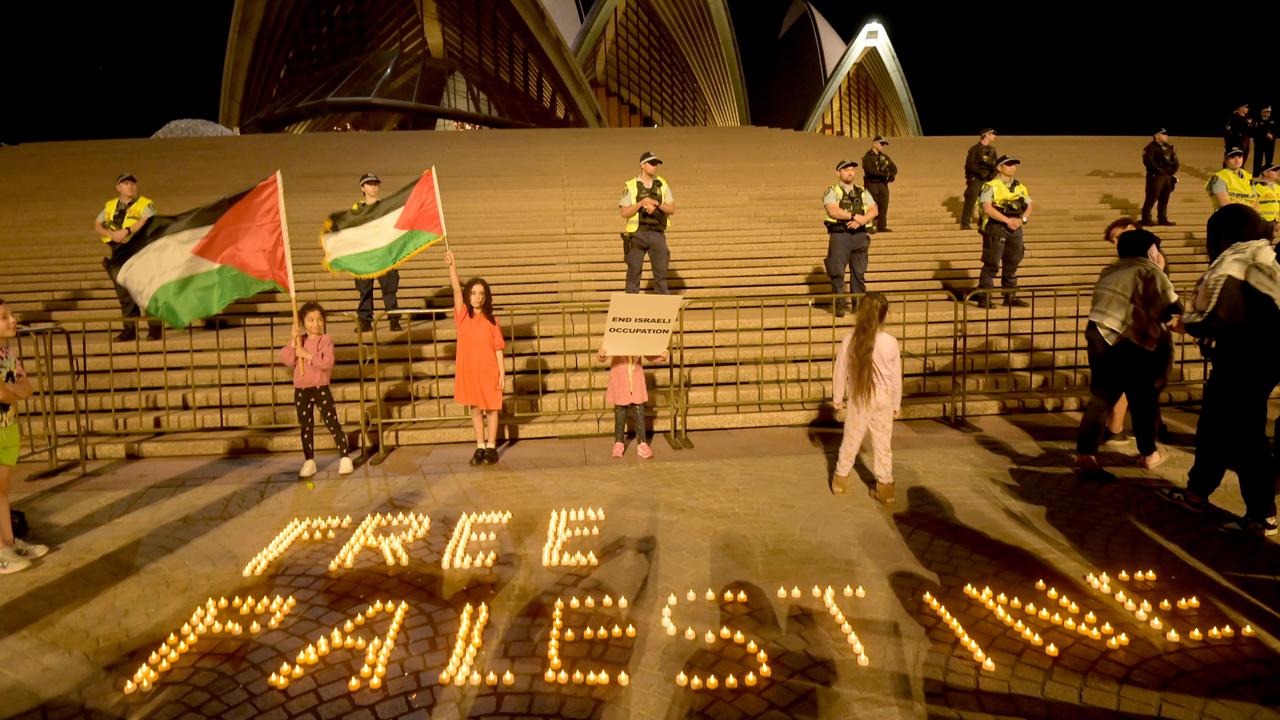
x: 128, y: 307
x: 390, y: 285
x: 318, y: 398
x: 847, y: 250
x: 1001, y: 251
x: 1128, y: 369
x: 1159, y: 188
x: 620, y: 413
x: 651, y: 243
x: 880, y: 193
x: 1264, y: 156
x: 972, y: 189
x: 1232, y: 431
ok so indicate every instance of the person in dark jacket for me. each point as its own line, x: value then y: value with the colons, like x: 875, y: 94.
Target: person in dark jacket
x: 1264, y: 135
x: 1236, y: 315
x: 879, y: 170
x: 1161, y: 161
x: 1239, y: 129
x: 979, y: 168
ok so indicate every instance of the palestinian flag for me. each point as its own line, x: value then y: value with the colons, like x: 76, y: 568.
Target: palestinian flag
x: 371, y: 240
x: 191, y: 266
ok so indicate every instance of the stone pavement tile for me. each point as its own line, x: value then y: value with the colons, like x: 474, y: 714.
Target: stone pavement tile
x: 743, y: 508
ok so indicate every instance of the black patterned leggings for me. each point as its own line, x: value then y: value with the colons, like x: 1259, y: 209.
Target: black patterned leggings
x: 308, y: 399
x: 636, y: 412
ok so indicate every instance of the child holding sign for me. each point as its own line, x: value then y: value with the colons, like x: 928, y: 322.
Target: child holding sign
x: 628, y: 393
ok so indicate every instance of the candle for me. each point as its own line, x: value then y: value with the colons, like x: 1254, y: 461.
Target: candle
x: 1123, y: 576
x: 751, y: 646
x: 765, y: 670
x: 375, y: 682
x: 1172, y: 635
x: 782, y: 592
x: 1195, y: 634
x: 695, y: 683
x: 602, y: 678
x: 725, y: 632
x: 549, y: 675
x: 795, y: 591
x: 731, y: 682
x: 1151, y: 575
x: 623, y: 679
x: 988, y: 665
x: 1194, y: 601
x: 1214, y: 634
x: 1227, y: 631
x: 1124, y: 639
x: 728, y: 596
x: 1155, y: 623
x: 682, y: 679
x: 578, y: 677
x: 710, y: 638
x: 750, y: 679
x: 712, y: 682
x: 1051, y: 651
x: 1247, y: 631
x: 563, y: 678
x: 739, y: 638
x: 1040, y: 584
x: 1113, y: 643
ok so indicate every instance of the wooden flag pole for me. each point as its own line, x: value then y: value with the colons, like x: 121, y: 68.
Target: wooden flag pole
x: 435, y: 183
x: 288, y: 257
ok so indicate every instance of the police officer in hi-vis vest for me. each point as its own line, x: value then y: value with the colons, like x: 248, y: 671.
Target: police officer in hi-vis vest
x: 388, y: 282
x: 646, y: 205
x: 1268, y: 191
x: 1006, y: 207
x: 121, y: 218
x: 849, y: 210
x: 1232, y: 184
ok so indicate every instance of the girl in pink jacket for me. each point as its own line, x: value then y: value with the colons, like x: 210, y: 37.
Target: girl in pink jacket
x: 868, y: 377
x: 310, y: 354
x: 627, y: 392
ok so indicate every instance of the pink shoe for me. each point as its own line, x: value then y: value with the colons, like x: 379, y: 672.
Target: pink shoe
x: 618, y: 449
x: 644, y: 451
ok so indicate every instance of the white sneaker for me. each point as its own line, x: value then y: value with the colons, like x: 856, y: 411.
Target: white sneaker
x: 12, y: 562
x: 30, y: 551
x: 345, y: 467
x: 308, y: 469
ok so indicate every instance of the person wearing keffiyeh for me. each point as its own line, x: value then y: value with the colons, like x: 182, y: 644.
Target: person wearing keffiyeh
x: 1236, y: 315
x: 1132, y: 303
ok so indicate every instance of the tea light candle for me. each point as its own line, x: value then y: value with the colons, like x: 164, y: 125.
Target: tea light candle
x: 1051, y: 651
x: 1195, y: 634
x: 750, y: 679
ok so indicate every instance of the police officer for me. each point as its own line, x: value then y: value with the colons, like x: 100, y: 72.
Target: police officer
x: 1006, y: 207
x: 979, y: 168
x: 1238, y: 130
x: 1161, y: 161
x: 121, y: 218
x: 1231, y: 184
x: 389, y: 282
x: 1264, y: 134
x: 1268, y: 192
x: 646, y: 204
x: 879, y: 170
x: 849, y: 209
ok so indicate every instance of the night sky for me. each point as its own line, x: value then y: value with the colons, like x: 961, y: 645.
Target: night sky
x: 1123, y: 73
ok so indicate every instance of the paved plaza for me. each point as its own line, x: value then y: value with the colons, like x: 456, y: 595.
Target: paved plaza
x: 141, y: 547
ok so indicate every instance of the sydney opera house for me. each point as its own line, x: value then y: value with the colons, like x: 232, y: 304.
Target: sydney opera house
x: 317, y: 65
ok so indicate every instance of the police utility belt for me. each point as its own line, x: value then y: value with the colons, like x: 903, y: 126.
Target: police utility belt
x: 840, y: 227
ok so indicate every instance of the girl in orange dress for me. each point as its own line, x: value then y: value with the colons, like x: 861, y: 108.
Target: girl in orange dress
x: 479, y: 377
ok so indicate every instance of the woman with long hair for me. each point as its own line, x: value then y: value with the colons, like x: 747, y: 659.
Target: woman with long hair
x: 868, y: 381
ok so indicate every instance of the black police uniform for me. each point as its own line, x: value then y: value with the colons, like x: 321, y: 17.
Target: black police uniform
x: 879, y: 170
x: 1161, y: 161
x: 979, y: 168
